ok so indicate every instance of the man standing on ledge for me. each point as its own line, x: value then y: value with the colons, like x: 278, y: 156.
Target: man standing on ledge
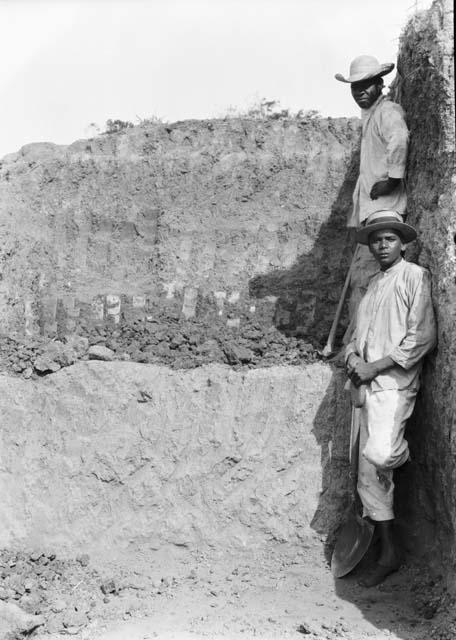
x: 394, y: 329
x: 384, y: 145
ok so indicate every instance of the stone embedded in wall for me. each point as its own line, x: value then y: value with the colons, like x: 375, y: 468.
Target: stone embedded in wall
x: 113, y: 306
x: 189, y: 304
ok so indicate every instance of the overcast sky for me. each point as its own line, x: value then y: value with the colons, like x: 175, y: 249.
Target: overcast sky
x: 68, y: 63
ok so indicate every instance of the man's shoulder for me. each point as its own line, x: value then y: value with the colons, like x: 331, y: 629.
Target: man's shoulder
x: 412, y: 267
x: 387, y: 107
x: 415, y: 272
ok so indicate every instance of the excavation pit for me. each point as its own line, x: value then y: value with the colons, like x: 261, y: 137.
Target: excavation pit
x: 189, y: 482
x: 142, y: 501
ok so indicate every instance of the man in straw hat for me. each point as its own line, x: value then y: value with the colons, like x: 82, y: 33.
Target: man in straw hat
x: 394, y: 329
x: 384, y: 144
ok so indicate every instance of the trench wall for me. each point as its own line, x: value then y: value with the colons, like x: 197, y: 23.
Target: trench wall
x: 181, y: 245
x: 426, y: 91
x: 224, y: 222
x: 102, y: 456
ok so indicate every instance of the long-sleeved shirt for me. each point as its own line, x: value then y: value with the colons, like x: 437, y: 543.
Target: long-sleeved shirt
x: 396, y: 319
x: 384, y: 144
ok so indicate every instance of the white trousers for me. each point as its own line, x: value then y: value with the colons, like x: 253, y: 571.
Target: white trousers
x: 382, y: 448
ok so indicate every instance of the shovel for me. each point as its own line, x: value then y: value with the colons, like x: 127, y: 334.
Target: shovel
x: 356, y: 534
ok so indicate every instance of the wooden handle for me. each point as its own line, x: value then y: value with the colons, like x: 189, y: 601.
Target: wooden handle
x: 332, y: 333
x: 354, y: 449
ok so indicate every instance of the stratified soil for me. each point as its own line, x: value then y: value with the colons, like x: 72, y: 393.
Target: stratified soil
x: 211, y: 220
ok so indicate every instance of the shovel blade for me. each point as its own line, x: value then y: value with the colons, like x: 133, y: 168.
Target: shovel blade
x: 352, y: 543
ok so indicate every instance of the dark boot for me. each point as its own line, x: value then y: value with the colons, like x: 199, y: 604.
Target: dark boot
x: 389, y: 560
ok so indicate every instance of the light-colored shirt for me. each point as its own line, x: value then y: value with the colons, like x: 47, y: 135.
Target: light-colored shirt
x: 395, y: 318
x: 384, y: 146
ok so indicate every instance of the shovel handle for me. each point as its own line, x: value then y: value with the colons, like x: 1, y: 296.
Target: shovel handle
x: 354, y: 440
x: 329, y: 347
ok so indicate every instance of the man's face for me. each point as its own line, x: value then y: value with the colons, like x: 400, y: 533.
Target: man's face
x: 386, y: 246
x: 366, y: 92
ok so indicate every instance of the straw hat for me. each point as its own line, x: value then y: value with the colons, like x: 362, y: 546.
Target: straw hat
x: 365, y: 67
x: 385, y: 219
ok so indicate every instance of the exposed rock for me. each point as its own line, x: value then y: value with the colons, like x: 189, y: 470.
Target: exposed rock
x: 305, y: 629
x: 109, y: 586
x: 83, y: 559
x: 54, y: 355
x: 79, y: 344
x: 236, y: 354
x: 98, y: 352
x: 45, y: 364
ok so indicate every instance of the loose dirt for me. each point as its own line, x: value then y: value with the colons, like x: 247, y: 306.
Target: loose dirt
x: 279, y: 592
x: 169, y: 340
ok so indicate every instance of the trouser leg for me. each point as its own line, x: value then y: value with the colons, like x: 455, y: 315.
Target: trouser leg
x: 377, y: 498
x: 383, y: 448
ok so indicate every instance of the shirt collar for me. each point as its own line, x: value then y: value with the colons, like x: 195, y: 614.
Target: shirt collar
x: 396, y: 267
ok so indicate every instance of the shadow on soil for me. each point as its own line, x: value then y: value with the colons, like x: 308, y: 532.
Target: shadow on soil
x: 306, y: 298
x: 307, y: 293
x: 391, y: 607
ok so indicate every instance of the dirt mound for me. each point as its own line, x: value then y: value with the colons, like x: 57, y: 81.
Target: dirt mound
x: 167, y: 340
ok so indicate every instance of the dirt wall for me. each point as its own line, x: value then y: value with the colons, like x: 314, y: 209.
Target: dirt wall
x: 426, y: 91
x: 102, y: 456
x: 229, y: 221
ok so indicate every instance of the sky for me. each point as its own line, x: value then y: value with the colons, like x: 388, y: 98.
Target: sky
x: 69, y: 63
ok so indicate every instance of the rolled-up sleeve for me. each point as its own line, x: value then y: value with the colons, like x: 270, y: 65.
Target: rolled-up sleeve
x: 421, y: 332
x: 396, y: 135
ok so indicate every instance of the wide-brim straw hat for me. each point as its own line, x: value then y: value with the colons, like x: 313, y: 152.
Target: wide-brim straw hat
x: 385, y: 219
x: 365, y: 67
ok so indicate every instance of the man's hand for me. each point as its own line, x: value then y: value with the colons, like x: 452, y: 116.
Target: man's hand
x: 384, y: 187
x: 352, y: 359
x: 362, y: 372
